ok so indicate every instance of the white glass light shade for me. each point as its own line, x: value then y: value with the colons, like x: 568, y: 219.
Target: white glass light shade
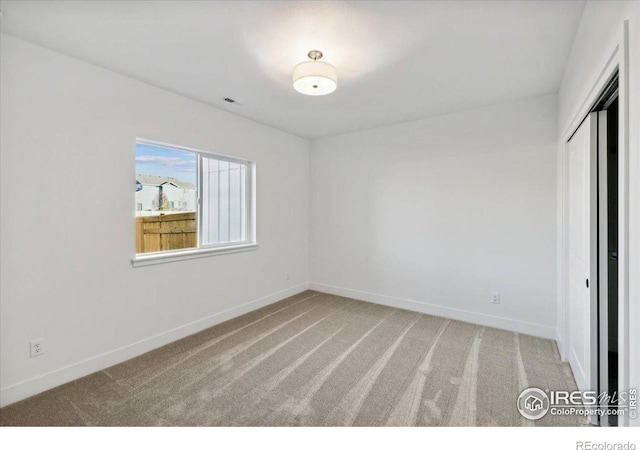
x: 315, y: 78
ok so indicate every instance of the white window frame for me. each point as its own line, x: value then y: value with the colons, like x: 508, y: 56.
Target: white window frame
x: 205, y: 250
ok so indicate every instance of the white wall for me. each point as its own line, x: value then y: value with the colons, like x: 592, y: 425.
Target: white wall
x: 70, y: 127
x: 600, y: 31
x: 436, y: 214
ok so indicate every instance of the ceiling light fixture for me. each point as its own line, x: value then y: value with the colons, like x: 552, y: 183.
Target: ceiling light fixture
x: 315, y: 77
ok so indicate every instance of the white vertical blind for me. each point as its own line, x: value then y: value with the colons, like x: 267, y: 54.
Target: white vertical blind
x: 224, y: 205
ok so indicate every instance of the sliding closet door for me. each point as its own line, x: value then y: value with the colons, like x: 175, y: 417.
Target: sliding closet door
x: 582, y: 243
x: 603, y: 259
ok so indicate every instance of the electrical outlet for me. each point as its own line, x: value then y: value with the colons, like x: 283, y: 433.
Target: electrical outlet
x: 36, y: 347
x: 288, y: 276
x: 495, y: 298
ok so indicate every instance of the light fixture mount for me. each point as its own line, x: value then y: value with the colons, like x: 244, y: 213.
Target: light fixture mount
x: 315, y: 77
x: 315, y: 55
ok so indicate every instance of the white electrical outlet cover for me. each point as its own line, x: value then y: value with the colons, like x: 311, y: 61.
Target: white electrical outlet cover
x: 36, y: 348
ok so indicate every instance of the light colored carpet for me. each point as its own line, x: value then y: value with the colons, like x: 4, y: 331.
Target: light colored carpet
x: 317, y: 360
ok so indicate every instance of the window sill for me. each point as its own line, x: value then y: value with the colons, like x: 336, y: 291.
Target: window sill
x: 182, y: 255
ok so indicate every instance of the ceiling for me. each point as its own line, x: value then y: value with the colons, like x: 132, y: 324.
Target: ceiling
x: 397, y: 61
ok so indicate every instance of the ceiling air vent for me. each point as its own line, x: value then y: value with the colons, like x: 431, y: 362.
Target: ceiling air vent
x: 229, y: 100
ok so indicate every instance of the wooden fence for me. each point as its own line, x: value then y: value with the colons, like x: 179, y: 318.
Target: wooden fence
x: 166, y: 232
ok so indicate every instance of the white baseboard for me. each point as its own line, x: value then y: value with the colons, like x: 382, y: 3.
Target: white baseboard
x: 560, y: 344
x: 503, y: 323
x: 41, y: 383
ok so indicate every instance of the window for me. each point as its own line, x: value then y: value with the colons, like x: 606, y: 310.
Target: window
x: 190, y: 203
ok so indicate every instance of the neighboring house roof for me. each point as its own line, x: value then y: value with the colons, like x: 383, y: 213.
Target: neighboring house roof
x: 154, y: 180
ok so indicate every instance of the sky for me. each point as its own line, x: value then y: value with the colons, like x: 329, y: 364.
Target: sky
x: 153, y: 160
